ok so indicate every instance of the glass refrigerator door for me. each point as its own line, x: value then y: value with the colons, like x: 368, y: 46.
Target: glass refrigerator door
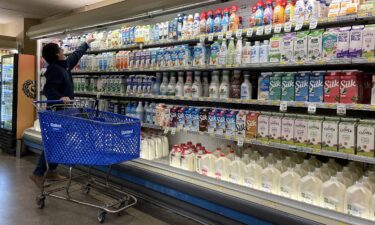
x: 7, y: 75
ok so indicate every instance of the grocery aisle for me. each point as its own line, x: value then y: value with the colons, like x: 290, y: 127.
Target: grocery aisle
x: 17, y: 200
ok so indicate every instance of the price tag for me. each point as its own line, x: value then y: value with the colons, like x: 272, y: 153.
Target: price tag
x: 166, y: 130
x: 260, y: 31
x: 313, y: 23
x: 298, y: 25
x: 173, y: 131
x: 240, y: 142
x: 229, y: 34
x: 220, y: 36
x: 211, y: 37
x: 283, y: 106
x: 268, y: 29
x: 288, y: 27
x: 277, y: 29
x: 239, y: 33
x: 202, y: 38
x: 249, y: 32
x: 341, y: 109
x: 311, y: 108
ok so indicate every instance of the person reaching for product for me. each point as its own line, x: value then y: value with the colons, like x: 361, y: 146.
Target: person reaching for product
x: 59, y: 86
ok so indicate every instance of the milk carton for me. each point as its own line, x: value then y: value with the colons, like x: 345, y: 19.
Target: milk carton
x: 181, y: 117
x: 314, y: 132
x: 343, y: 42
x: 316, y: 88
x: 347, y: 135
x: 349, y: 87
x: 264, y: 86
x: 302, y: 87
x: 195, y: 120
x: 275, y: 87
x: 368, y: 42
x: 366, y: 138
x: 300, y: 46
x: 203, y: 120
x: 355, y: 46
x: 212, y: 121
x: 275, y: 48
x: 241, y: 124
x: 287, y: 87
x: 252, y: 125
x: 263, y: 127
x: 330, y: 134
x: 332, y: 87
x: 330, y: 38
x: 300, y: 130
x: 287, y: 129
x: 230, y: 123
x: 287, y: 47
x: 275, y: 127
x: 220, y: 122
x: 188, y: 118
x: 315, y: 45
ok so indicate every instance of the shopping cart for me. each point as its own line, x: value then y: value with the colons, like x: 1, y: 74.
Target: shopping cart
x: 77, y: 134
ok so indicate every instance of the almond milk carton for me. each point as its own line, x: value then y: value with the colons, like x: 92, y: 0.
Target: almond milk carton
x: 332, y: 87
x: 263, y: 127
x: 287, y: 129
x: 300, y: 130
x: 275, y: 127
x: 330, y: 135
x: 368, y: 42
x: 252, y: 125
x: 349, y: 87
x: 314, y: 132
x: 241, y: 124
x: 366, y: 138
x: 347, y: 135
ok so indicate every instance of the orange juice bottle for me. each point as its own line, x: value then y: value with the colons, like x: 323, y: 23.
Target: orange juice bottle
x: 278, y: 13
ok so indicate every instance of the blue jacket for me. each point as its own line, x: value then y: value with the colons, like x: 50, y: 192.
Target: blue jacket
x: 59, y: 81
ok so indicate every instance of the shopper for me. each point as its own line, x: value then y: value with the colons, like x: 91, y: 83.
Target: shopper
x: 59, y: 86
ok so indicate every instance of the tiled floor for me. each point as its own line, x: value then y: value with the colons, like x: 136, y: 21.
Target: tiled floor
x: 18, y: 207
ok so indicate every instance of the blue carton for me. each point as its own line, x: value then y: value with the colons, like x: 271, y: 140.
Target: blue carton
x: 316, y: 86
x: 302, y: 87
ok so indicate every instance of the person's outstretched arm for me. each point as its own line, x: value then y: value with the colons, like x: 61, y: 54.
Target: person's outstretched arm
x: 74, y: 58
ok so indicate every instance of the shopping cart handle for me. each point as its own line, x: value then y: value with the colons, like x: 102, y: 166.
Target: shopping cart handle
x: 49, y: 101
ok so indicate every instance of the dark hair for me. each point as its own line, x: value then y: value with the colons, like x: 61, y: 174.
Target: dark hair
x: 50, y: 51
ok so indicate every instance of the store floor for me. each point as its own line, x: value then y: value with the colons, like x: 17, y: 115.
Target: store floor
x: 17, y: 203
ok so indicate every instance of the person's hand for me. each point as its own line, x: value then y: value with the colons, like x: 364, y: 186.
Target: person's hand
x: 90, y: 39
x: 65, y: 100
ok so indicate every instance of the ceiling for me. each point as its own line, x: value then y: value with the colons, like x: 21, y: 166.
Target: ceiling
x: 11, y: 10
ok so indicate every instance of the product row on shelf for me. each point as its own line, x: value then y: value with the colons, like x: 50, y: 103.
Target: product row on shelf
x: 189, y: 26
x: 346, y: 87
x: 295, y: 47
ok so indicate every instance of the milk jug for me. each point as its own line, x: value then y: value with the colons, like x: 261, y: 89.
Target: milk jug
x: 349, y: 174
x: 300, y: 170
x: 290, y: 183
x: 311, y: 188
x: 144, y: 154
x: 270, y: 159
x: 198, y: 156
x: 255, y: 155
x: 187, y: 159
x: 153, y: 153
x: 165, y: 146
x: 333, y: 194
x: 218, y: 152
x: 237, y: 171
x: 158, y: 148
x: 314, y: 161
x: 262, y: 162
x: 245, y: 158
x: 343, y: 179
x: 231, y: 155
x: 357, y: 171
x: 368, y: 183
x: 207, y: 164
x: 322, y: 175
x: 358, y: 200
x: 175, y: 156
x: 288, y: 162
x: 326, y: 169
x: 306, y: 165
x: 333, y: 164
x: 271, y: 179
x: 222, y: 168
x: 280, y: 166
x: 253, y: 175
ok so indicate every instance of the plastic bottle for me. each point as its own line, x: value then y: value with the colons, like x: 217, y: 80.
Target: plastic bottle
x: 205, y: 85
x: 231, y: 52
x: 214, y: 86
x: 207, y: 164
x: 246, y: 53
x: 223, y: 53
x: 349, y: 174
x: 235, y: 87
x: 278, y: 13
x: 271, y: 179
x: 311, y: 10
x: 217, y: 21
x: 245, y: 158
x: 252, y: 16
x: 255, y: 52
x: 253, y: 175
x: 246, y: 88
x: 196, y: 24
x: 264, y: 52
x: 224, y: 86
x: 268, y: 13
x: 321, y: 174
x: 358, y: 200
x: 368, y: 183
x: 158, y: 150
x: 197, y: 85
x: 356, y: 170
x: 225, y: 20
x: 237, y: 171
x: 290, y: 183
x: 180, y: 85
x: 311, y: 189
x: 180, y: 22
x: 270, y: 159
x: 185, y: 28
x: 333, y: 194
x: 140, y: 112
x: 281, y: 166
x: 188, y: 85
x: 231, y: 155
x: 175, y: 156
x: 215, y: 53
x: 299, y: 11
x: 234, y: 20
x: 202, y: 23
x: 327, y: 169
x: 164, y: 84
x: 289, y: 11
x: 314, y: 161
x: 238, y: 53
x: 210, y: 22
x: 222, y: 167
x: 187, y: 159
x: 171, y: 89
x: 198, y: 156
x: 259, y: 14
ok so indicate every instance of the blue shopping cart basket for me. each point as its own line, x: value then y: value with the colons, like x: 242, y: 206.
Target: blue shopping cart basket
x: 83, y: 136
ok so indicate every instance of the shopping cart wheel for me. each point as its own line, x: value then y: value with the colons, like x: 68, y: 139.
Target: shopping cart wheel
x: 101, y: 216
x: 40, y: 201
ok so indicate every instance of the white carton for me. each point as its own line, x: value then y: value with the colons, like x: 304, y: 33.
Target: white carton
x: 343, y: 42
x: 366, y: 138
x: 275, y: 127
x: 355, y: 46
x: 263, y: 127
x: 314, y: 132
x: 287, y: 129
x: 347, y: 136
x: 300, y: 131
x: 368, y: 42
x: 330, y: 135
x: 315, y: 45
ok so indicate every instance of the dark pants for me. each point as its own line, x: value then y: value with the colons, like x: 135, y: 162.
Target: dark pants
x: 41, y: 167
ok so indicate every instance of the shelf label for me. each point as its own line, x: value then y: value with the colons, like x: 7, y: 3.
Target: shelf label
x: 283, y: 106
x: 240, y: 141
x: 202, y: 38
x: 298, y: 25
x: 229, y: 34
x: 173, y: 131
x: 260, y: 30
x: 311, y: 108
x: 211, y: 37
x: 220, y: 36
x: 341, y: 109
x: 239, y: 33
x: 277, y: 28
x: 313, y: 23
x: 288, y: 27
x: 249, y: 32
x: 268, y: 29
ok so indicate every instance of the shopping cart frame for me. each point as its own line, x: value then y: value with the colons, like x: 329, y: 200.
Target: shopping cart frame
x: 122, y: 200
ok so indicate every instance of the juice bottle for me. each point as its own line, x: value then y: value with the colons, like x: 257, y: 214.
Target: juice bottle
x: 252, y: 16
x: 217, y: 21
x: 278, y: 14
x: 202, y: 23
x: 196, y: 25
x: 234, y: 20
x: 259, y: 14
x: 210, y: 22
x: 289, y: 11
x: 225, y: 20
x: 299, y: 11
x: 268, y: 13
x: 231, y: 52
x: 223, y: 53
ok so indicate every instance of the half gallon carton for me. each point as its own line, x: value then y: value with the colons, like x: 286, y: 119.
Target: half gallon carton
x: 287, y: 129
x: 300, y: 130
x: 287, y: 87
x: 287, y: 47
x: 264, y: 86
x: 347, y: 135
x: 343, y: 42
x: 302, y: 87
x: 349, y: 87
x: 366, y: 138
x: 263, y: 127
x: 314, y: 132
x: 355, y: 46
x: 300, y: 46
x: 275, y: 86
x: 241, y: 124
x: 330, y: 135
x: 252, y: 125
x: 368, y: 41
x: 316, y: 86
x: 332, y: 87
x: 330, y: 38
x: 315, y: 45
x: 275, y: 48
x: 275, y: 127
